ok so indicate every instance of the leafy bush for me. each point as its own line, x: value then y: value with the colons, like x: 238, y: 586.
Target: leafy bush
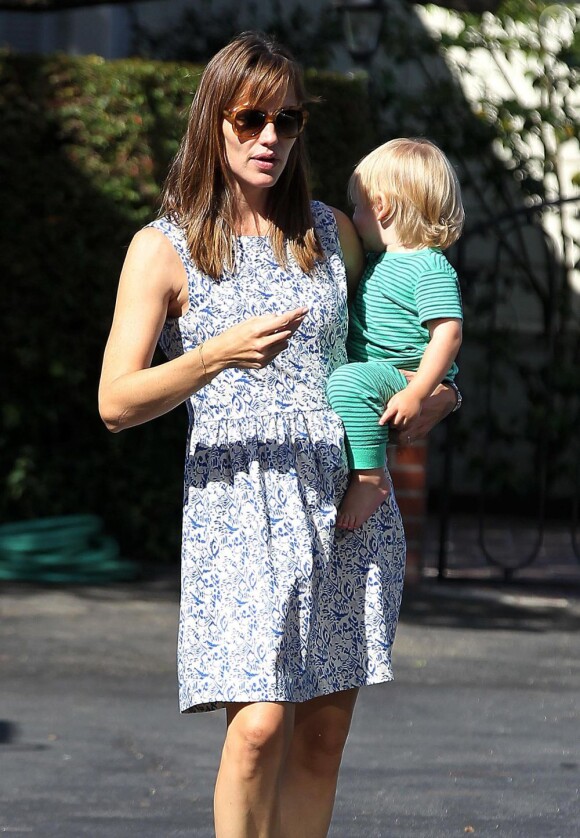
x: 84, y: 147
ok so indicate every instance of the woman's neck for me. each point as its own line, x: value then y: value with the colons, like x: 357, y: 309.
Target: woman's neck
x: 254, y: 224
x: 252, y: 218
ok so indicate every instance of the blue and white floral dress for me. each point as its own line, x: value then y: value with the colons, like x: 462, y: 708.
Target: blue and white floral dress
x: 276, y: 605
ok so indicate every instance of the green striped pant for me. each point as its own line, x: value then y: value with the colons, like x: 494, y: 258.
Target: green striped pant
x: 359, y: 393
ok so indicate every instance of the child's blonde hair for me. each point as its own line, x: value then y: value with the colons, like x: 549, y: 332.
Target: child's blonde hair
x: 419, y: 190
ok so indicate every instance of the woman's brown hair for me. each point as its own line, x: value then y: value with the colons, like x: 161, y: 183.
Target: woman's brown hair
x: 199, y: 191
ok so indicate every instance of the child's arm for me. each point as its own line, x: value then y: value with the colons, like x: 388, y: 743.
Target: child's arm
x: 439, y: 354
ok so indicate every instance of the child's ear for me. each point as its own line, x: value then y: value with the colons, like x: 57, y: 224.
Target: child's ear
x: 381, y: 208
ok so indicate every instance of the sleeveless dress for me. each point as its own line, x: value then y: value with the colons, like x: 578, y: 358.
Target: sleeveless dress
x: 276, y: 605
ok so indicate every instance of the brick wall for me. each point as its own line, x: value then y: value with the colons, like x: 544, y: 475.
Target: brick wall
x: 408, y: 467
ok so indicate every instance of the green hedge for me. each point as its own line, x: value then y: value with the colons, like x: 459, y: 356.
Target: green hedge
x: 84, y: 147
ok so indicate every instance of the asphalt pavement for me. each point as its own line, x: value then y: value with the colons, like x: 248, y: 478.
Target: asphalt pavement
x: 479, y: 734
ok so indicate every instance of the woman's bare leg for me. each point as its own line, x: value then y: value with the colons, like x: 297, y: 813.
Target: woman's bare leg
x: 309, y: 783
x: 246, y: 802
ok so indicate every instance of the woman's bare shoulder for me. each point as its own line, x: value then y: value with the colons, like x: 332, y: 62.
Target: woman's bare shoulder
x: 150, y: 242
x: 351, y: 247
x: 154, y: 258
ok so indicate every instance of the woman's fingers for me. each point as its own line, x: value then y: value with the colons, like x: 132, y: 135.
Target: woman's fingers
x: 265, y: 355
x: 272, y: 345
x: 254, y: 342
x: 288, y: 320
x: 276, y: 332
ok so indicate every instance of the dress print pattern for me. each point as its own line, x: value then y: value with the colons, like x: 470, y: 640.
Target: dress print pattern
x: 276, y: 606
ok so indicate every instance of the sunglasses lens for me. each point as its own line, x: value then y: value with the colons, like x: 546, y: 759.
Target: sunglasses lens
x: 289, y: 123
x: 249, y: 122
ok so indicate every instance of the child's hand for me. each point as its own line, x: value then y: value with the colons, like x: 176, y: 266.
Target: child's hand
x: 401, y: 409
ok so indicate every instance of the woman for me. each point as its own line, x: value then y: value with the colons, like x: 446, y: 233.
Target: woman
x: 243, y: 281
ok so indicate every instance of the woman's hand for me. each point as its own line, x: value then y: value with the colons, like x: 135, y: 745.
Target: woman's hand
x: 435, y: 408
x: 253, y: 343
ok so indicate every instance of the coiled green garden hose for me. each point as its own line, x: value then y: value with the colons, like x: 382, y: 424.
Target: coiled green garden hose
x: 66, y: 549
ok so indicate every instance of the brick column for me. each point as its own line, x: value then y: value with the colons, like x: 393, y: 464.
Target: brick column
x: 408, y: 467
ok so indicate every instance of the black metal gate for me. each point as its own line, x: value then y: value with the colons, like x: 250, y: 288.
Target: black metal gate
x: 512, y: 454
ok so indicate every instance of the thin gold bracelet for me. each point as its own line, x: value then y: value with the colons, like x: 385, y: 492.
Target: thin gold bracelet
x: 200, y: 347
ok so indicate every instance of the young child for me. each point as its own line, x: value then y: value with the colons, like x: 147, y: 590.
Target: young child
x: 407, y: 311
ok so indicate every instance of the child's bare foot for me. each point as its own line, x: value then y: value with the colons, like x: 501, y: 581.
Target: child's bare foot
x: 366, y: 491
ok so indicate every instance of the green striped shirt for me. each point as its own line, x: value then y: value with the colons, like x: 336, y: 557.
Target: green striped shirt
x: 397, y: 295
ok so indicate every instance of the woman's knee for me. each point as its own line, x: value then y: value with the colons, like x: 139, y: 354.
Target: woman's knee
x: 321, y: 744
x: 257, y: 737
x: 327, y: 744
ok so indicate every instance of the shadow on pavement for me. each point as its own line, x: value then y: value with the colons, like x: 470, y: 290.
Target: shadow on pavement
x: 483, y: 607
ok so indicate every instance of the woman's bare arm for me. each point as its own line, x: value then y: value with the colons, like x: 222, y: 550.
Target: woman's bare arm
x: 131, y: 391
x: 351, y: 250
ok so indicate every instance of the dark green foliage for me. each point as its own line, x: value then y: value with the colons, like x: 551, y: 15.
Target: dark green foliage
x: 340, y: 132
x: 84, y: 147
